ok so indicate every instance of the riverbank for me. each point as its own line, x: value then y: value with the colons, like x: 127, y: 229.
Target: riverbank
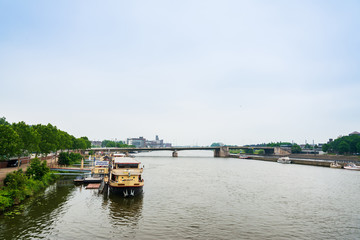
x: 20, y: 185
x: 307, y: 159
x: 5, y: 171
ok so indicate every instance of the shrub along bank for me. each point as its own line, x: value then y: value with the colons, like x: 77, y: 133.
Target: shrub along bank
x: 20, y: 185
x: 69, y: 159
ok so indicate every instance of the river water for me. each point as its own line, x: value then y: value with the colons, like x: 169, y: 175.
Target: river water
x: 196, y: 196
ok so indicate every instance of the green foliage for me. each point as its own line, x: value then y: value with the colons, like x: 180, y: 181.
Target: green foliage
x: 29, y: 138
x: 259, y: 152
x: 15, y: 180
x: 65, y: 140
x: 344, y: 145
x: 9, y: 142
x: 217, y: 144
x: 249, y: 151
x: 69, y: 159
x: 278, y: 144
x: 48, y: 138
x: 325, y: 147
x: 37, y: 169
x: 87, y: 142
x: 3, y: 121
x: 295, y: 148
x: 19, y: 186
x: 120, y: 144
x: 5, y: 200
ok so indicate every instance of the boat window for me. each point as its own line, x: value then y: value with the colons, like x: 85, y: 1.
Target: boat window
x: 113, y: 177
x: 127, y: 166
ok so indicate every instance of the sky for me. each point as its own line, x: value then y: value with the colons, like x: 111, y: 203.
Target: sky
x: 191, y: 72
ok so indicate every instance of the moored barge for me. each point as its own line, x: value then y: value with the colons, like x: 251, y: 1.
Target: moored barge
x: 125, y: 177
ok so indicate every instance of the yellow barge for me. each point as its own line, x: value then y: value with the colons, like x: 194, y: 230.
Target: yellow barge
x: 125, y: 176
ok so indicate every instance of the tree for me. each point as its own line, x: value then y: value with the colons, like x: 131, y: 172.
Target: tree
x: 216, y: 144
x: 48, y: 138
x: 37, y: 169
x: 325, y: 147
x: 295, y: 148
x: 65, y: 140
x: 9, y: 142
x: 3, y: 121
x: 29, y: 139
x: 79, y: 143
x: 344, y: 147
x: 358, y: 147
x: 88, y: 143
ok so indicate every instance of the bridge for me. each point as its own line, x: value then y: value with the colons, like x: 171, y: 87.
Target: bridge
x: 222, y: 151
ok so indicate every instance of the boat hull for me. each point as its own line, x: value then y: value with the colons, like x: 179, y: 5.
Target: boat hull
x: 352, y: 168
x: 127, y: 191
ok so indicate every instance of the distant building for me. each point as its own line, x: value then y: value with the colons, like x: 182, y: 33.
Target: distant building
x: 142, y: 142
x: 354, y: 133
x: 96, y: 143
x: 137, y: 142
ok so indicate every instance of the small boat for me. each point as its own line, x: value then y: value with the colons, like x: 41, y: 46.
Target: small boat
x: 244, y: 157
x: 93, y: 179
x: 352, y: 166
x: 284, y: 160
x: 335, y: 165
x: 79, y: 179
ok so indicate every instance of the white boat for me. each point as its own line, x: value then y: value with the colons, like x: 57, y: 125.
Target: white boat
x: 352, y: 166
x: 335, y: 165
x: 284, y: 160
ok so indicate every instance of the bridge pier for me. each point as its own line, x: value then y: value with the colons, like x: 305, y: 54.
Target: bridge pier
x: 175, y: 154
x: 222, y: 152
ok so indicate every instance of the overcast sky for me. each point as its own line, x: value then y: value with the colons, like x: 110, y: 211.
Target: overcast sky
x: 192, y: 72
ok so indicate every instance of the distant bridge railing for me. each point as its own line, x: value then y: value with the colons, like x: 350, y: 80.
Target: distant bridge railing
x: 222, y: 151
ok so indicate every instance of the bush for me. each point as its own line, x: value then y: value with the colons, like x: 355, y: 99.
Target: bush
x: 15, y: 180
x: 69, y: 159
x: 37, y: 169
x: 5, y: 200
x: 64, y: 158
x: 18, y: 186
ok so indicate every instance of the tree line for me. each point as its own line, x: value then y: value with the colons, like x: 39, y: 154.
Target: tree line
x: 343, y: 145
x: 118, y: 144
x: 20, y: 139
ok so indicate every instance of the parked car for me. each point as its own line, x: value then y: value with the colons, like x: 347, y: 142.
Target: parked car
x: 13, y: 163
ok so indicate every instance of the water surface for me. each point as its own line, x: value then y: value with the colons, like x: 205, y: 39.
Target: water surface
x: 196, y: 196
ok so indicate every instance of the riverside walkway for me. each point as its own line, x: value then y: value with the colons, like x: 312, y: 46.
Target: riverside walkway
x: 4, y: 171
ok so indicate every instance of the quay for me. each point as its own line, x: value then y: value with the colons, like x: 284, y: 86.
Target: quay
x: 306, y: 159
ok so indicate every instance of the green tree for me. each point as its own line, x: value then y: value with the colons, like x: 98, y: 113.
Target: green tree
x: 80, y: 143
x: 29, y: 139
x: 88, y: 143
x: 325, y: 147
x: 3, y: 121
x: 9, y: 142
x: 344, y: 147
x: 48, y: 138
x: 358, y: 147
x: 217, y: 144
x: 65, y: 140
x: 295, y: 148
x: 37, y: 169
x: 64, y: 158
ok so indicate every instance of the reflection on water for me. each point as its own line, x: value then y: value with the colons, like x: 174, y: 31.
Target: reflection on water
x: 38, y: 214
x: 124, y: 210
x: 124, y: 215
x: 201, y: 198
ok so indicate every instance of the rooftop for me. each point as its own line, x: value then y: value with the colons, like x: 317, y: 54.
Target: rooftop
x: 124, y: 160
